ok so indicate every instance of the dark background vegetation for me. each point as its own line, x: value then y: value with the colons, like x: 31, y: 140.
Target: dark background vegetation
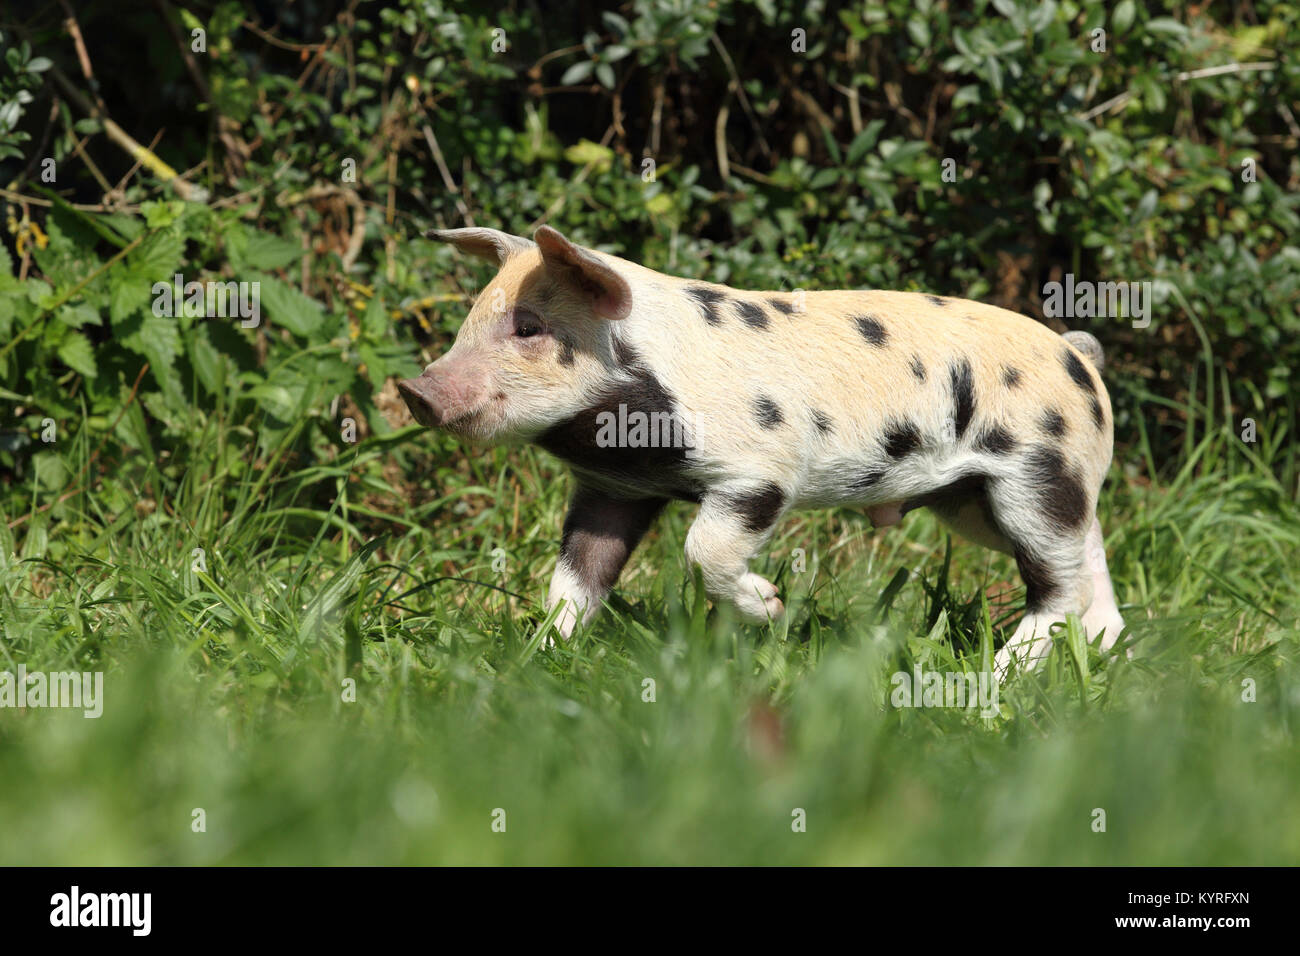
x: 773, y: 169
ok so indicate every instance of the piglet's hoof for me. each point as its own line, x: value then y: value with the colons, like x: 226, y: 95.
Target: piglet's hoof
x: 756, y: 600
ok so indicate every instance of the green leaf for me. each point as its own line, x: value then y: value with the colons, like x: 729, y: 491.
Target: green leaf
x: 157, y: 338
x: 1123, y: 18
x: 156, y: 259
x: 128, y: 293
x: 77, y: 354
x: 825, y: 178
x: 75, y: 316
x: 863, y: 142
x: 966, y: 95
x: 577, y: 73
x: 375, y: 322
x: 270, y: 252
x: 159, y: 215
x: 1167, y: 25
x: 1146, y: 206
x: 286, y: 306
x: 206, y: 360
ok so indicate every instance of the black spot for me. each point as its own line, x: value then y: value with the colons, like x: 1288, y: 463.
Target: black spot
x: 918, y: 368
x: 1097, y: 415
x: 871, y: 329
x: 1061, y: 495
x: 625, y: 355
x: 963, y: 395
x: 1040, y: 583
x: 601, y: 531
x: 900, y: 440
x: 1011, y: 377
x: 822, y: 422
x: 759, y: 509
x: 708, y: 299
x: 785, y: 308
x: 768, y: 412
x: 996, y: 440
x: 657, y: 464
x: 864, y: 481
x: 567, y: 353
x: 936, y: 301
x: 1074, y: 365
x: 1053, y: 423
x: 751, y: 314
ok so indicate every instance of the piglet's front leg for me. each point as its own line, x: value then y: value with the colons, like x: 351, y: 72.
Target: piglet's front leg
x: 600, y: 533
x: 731, y: 525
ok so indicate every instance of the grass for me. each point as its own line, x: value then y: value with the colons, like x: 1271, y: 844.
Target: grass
x: 224, y: 687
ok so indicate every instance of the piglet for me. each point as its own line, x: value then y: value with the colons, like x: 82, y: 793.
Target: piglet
x: 750, y: 404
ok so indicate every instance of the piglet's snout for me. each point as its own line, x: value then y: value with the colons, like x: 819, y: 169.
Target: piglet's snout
x: 422, y: 398
x: 448, y: 391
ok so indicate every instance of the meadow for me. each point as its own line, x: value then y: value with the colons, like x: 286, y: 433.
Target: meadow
x: 225, y: 690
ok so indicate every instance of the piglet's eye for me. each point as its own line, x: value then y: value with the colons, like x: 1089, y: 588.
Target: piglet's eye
x: 527, y: 324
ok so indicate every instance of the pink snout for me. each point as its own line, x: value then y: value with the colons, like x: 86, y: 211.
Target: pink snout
x: 422, y: 399
x: 441, y: 396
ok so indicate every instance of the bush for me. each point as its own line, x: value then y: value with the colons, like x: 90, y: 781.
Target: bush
x: 980, y: 152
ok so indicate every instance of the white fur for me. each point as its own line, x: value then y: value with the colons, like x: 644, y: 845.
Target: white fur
x: 580, y: 601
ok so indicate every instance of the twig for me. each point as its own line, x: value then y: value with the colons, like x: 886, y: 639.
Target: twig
x: 753, y: 174
x: 854, y: 50
x: 1123, y: 98
x: 187, y: 191
x: 1227, y: 68
x: 20, y: 198
x: 355, y: 241
x: 740, y: 94
x: 282, y: 44
x: 83, y: 58
x: 446, y: 174
x: 78, y: 146
x: 720, y: 138
x: 656, y: 116
x: 191, y: 64
x: 1290, y: 119
x: 121, y: 183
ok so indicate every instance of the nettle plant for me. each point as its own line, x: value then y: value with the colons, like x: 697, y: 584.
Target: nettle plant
x: 94, y: 333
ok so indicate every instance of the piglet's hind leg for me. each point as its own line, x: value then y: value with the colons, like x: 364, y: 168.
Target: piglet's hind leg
x: 729, y: 528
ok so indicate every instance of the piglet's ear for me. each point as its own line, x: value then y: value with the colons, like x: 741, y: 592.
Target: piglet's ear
x: 490, y: 244
x: 611, y: 296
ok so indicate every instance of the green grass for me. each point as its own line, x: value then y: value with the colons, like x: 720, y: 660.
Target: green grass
x: 224, y: 689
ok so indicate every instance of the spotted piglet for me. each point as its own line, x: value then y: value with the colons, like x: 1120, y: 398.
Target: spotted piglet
x: 753, y: 403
